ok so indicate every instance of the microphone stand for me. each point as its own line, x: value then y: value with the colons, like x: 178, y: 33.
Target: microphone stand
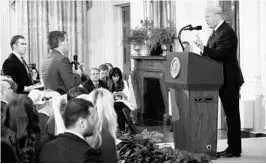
x: 179, y: 36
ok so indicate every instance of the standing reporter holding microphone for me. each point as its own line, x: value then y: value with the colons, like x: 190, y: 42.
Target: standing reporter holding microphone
x: 57, y: 73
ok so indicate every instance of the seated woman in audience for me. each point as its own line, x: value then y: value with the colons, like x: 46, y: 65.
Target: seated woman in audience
x: 103, y: 102
x: 22, y: 131
x: 43, y: 103
x: 35, y: 76
x: 119, y: 88
x: 71, y: 94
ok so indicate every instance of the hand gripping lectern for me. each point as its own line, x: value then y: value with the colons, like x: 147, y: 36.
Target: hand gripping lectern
x: 194, y: 82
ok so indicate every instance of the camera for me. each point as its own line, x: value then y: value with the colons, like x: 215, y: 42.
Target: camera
x: 45, y: 99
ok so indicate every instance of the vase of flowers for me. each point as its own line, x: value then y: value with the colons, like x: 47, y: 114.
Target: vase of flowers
x: 163, y: 36
x: 136, y: 37
x: 137, y: 48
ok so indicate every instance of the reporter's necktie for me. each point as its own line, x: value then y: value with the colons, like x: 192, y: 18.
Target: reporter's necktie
x: 27, y: 68
x: 25, y: 64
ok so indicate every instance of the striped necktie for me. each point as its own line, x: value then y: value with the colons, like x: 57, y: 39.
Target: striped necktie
x: 25, y: 64
x: 28, y: 70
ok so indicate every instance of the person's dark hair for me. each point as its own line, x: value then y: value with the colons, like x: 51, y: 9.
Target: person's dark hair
x: 76, y: 91
x: 38, y: 75
x: 103, y: 67
x: 75, y: 57
x: 21, y: 117
x: 14, y: 40
x: 75, y: 109
x: 109, y: 64
x: 54, y: 37
x: 120, y: 84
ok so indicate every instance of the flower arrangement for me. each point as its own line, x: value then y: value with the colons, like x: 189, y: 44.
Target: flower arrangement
x: 136, y: 36
x: 166, y: 35
x: 150, y: 36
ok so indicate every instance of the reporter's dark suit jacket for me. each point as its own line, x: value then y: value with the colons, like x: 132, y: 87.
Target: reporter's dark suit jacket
x: 222, y: 47
x: 13, y: 67
x: 68, y: 148
x: 90, y: 86
x: 57, y: 73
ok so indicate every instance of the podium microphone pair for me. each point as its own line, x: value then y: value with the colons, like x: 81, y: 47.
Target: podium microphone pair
x: 193, y: 28
x: 188, y: 27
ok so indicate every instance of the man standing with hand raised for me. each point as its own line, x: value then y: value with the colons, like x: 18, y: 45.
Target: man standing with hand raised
x: 222, y: 47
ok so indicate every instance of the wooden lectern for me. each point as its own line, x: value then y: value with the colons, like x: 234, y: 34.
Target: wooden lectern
x: 194, y: 82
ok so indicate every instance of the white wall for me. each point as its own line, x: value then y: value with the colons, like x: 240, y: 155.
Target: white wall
x: 253, y: 62
x: 191, y: 12
x: 105, y: 33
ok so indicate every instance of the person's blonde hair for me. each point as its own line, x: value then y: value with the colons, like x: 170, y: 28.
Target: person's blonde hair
x: 103, y: 102
x: 216, y: 10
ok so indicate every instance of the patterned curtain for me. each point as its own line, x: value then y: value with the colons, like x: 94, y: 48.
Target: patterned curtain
x: 37, y: 18
x: 161, y: 12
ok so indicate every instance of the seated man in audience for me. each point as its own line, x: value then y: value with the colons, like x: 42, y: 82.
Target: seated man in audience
x: 94, y: 81
x: 103, y: 72
x: 79, y: 120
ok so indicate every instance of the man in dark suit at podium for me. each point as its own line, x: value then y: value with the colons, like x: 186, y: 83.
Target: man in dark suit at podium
x: 222, y: 47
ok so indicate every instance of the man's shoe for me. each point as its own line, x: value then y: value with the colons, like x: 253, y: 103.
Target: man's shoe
x: 227, y: 154
x: 222, y: 153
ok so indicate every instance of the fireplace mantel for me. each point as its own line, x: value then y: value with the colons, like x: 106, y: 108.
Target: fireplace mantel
x: 148, y: 67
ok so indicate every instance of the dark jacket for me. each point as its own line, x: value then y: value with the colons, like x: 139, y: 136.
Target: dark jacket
x: 10, y: 149
x: 13, y: 67
x: 57, y: 73
x: 8, y: 154
x: 222, y: 47
x: 90, y: 86
x: 68, y: 148
x: 108, y: 148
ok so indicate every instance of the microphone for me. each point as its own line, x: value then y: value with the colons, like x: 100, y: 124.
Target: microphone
x: 193, y: 28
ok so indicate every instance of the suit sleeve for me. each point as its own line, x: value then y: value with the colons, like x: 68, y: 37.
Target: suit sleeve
x: 69, y: 78
x: 224, y: 46
x: 8, y: 70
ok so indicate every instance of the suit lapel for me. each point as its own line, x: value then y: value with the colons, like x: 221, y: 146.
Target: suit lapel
x: 16, y: 59
x: 212, y: 38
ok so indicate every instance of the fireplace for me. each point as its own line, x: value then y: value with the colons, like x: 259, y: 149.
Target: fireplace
x: 150, y: 91
x: 153, y: 99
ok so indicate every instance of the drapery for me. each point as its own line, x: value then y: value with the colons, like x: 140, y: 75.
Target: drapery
x: 161, y: 12
x: 35, y: 19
